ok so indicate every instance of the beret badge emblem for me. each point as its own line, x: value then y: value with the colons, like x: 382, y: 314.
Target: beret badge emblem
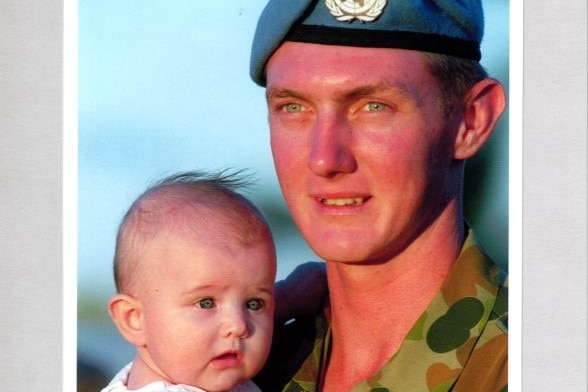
x: 347, y: 10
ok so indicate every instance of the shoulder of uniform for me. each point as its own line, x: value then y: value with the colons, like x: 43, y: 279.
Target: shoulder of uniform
x: 500, y: 309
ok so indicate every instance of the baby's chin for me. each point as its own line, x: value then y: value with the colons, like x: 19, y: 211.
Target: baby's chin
x: 222, y: 383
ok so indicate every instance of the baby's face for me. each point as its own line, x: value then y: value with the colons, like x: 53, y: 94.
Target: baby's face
x: 208, y: 309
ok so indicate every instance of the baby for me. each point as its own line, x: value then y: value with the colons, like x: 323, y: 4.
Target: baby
x: 194, y: 267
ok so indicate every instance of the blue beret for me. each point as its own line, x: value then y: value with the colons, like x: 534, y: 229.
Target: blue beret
x: 449, y: 27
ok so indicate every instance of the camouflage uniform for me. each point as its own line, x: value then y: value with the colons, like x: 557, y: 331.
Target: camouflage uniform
x: 458, y: 344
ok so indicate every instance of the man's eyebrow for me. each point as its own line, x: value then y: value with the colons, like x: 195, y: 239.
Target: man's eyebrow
x: 275, y: 93
x: 398, y: 89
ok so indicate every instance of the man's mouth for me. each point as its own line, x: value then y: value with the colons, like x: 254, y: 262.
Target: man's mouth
x: 345, y: 201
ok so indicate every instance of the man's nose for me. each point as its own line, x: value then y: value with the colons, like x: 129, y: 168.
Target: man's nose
x: 235, y: 323
x: 330, y: 150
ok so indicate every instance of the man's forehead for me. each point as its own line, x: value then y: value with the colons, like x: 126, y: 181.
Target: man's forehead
x: 395, y: 73
x: 311, y: 52
x: 294, y: 60
x: 448, y: 27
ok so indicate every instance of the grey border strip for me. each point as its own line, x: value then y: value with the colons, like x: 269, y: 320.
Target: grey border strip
x: 554, y: 196
x: 30, y: 196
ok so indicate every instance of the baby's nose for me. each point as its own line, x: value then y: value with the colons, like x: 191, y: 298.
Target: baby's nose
x: 236, y: 324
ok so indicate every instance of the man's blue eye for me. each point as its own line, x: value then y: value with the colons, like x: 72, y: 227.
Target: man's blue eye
x: 375, y: 106
x: 292, y: 108
x: 206, y: 303
x: 255, y: 304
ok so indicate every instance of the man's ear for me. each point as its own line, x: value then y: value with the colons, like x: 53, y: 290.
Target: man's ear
x: 484, y: 104
x: 125, y: 311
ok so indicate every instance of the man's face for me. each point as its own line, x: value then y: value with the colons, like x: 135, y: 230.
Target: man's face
x: 362, y: 150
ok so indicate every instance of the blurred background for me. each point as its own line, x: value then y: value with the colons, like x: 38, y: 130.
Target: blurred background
x: 164, y: 87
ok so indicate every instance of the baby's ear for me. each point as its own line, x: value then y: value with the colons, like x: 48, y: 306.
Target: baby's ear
x: 125, y: 311
x: 485, y: 102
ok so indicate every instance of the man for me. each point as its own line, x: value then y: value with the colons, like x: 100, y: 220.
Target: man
x: 374, y: 106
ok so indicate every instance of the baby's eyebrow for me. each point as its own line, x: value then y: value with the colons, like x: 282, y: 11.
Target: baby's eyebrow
x: 197, y: 289
x: 267, y: 290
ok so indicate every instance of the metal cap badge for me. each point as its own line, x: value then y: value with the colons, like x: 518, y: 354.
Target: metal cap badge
x: 347, y: 10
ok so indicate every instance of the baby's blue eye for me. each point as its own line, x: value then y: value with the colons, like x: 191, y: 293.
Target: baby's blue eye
x: 255, y: 304
x: 205, y: 303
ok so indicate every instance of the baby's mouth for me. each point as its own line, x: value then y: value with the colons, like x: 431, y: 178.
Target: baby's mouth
x: 228, y: 355
x: 228, y: 359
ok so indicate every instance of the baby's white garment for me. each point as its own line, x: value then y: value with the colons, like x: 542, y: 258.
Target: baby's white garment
x: 118, y: 384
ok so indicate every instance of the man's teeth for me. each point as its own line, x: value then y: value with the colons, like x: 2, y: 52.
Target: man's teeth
x: 343, y: 202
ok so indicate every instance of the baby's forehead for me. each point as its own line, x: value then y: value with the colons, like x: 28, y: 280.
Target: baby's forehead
x: 191, y: 244
x: 197, y: 223
x: 198, y: 214
x: 180, y: 243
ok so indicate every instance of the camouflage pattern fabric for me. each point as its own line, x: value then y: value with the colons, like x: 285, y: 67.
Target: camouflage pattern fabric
x: 458, y: 344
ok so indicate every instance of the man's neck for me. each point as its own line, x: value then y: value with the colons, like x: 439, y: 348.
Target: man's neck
x: 373, y: 307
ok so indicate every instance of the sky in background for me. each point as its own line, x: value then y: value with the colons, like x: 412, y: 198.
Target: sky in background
x: 164, y: 87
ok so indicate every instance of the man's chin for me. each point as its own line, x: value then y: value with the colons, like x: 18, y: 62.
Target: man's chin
x: 340, y: 254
